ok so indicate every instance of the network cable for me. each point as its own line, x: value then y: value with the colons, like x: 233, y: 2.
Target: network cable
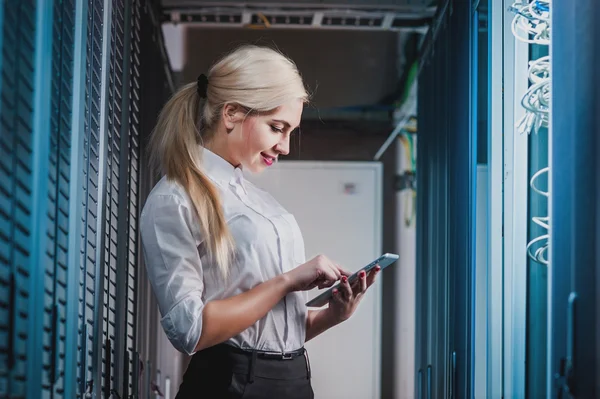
x: 410, y: 204
x: 536, y: 100
x: 531, y: 24
x: 541, y: 253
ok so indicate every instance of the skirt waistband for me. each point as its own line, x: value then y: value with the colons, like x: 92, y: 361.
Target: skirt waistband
x: 268, y: 354
x: 252, y: 363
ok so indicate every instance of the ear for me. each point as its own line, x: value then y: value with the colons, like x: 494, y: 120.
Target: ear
x: 231, y: 114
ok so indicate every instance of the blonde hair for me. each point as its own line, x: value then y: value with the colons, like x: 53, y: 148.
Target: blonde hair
x: 257, y: 78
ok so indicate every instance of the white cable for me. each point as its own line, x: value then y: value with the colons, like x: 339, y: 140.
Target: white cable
x: 536, y: 100
x: 541, y: 66
x: 541, y: 221
x: 531, y: 24
x: 540, y: 253
x: 533, y: 179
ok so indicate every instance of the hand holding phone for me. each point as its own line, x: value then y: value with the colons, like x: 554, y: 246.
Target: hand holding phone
x: 383, y: 261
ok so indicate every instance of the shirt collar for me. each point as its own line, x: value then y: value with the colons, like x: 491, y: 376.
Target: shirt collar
x: 220, y: 170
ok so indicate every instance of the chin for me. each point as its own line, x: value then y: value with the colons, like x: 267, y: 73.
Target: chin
x: 256, y: 167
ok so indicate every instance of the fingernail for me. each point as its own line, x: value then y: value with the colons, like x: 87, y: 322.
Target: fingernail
x: 378, y: 268
x: 344, y: 279
x: 362, y: 274
x: 335, y: 291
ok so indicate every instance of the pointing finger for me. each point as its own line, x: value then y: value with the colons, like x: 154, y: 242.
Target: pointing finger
x: 343, y: 271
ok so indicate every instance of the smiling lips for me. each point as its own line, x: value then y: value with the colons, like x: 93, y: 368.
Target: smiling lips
x: 268, y: 159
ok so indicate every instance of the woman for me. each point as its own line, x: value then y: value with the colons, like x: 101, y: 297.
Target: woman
x: 225, y: 260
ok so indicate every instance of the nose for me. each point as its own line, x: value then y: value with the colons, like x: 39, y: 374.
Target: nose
x: 283, y: 147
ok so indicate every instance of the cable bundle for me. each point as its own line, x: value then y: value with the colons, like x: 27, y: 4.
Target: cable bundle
x: 532, y: 22
x: 536, y: 100
x: 407, y: 140
x: 541, y: 253
x: 532, y: 25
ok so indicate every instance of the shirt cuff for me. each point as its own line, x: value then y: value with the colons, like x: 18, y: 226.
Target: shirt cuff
x: 183, y: 323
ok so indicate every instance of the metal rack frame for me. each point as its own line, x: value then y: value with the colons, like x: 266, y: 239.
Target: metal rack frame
x: 264, y: 16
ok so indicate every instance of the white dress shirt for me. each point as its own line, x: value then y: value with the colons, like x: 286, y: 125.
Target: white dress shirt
x: 268, y: 242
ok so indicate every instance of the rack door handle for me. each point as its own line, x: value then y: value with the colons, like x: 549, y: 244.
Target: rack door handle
x: 571, y: 330
x: 452, y: 385
x: 429, y: 382
x: 420, y: 384
x: 565, y: 377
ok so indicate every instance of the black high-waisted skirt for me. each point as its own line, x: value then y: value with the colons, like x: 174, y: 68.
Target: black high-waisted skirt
x: 225, y: 372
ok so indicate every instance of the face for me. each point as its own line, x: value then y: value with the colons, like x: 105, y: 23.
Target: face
x: 256, y: 141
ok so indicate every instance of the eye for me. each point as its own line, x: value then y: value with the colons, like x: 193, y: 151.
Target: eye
x: 276, y: 129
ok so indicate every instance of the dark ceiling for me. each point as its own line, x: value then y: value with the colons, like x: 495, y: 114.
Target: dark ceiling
x: 341, y: 68
x: 349, y: 69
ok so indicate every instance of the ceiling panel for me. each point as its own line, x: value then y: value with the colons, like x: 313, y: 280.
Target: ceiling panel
x: 387, y: 15
x: 396, y: 4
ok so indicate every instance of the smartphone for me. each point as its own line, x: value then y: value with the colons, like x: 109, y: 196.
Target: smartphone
x: 383, y: 261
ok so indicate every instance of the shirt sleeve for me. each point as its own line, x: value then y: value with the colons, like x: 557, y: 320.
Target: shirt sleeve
x: 174, y: 268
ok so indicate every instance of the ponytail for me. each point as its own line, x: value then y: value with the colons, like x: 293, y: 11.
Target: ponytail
x: 175, y: 146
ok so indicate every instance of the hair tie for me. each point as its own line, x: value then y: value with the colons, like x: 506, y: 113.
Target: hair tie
x: 202, y: 85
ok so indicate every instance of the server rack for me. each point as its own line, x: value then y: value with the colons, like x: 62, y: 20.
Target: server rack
x: 573, y: 330
x: 446, y: 181
x: 17, y: 104
x: 71, y: 110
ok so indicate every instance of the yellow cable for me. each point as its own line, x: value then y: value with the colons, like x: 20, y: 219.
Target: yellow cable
x: 409, y: 205
x: 407, y: 150
x: 265, y: 21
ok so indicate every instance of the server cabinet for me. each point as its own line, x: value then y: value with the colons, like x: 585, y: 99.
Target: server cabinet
x: 432, y: 279
x: 70, y: 141
x: 446, y: 173
x: 130, y: 252
x: 113, y: 164
x: 462, y: 140
x: 55, y: 259
x: 427, y: 196
x: 433, y: 172
x: 17, y: 83
x: 37, y: 74
x: 115, y: 209
x: 152, y: 98
x: 574, y: 210
x: 90, y: 168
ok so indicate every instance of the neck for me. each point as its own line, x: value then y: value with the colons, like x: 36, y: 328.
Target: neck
x: 218, y: 145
